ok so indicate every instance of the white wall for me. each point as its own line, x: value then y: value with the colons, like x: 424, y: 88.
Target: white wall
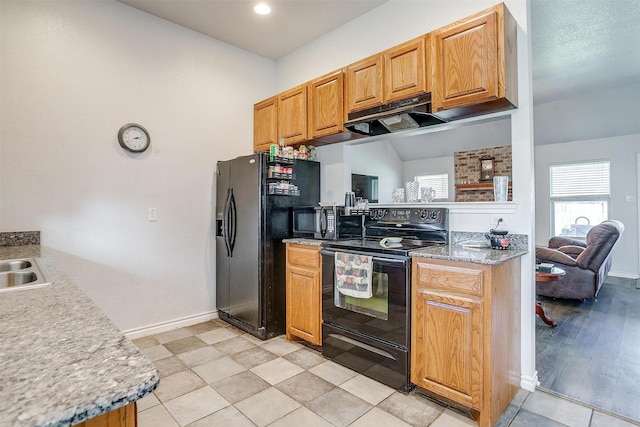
x: 72, y: 73
x: 390, y: 24
x: 621, y: 151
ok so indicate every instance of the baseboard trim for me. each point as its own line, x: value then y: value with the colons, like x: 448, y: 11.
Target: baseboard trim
x: 529, y: 383
x: 157, y: 328
x: 624, y: 275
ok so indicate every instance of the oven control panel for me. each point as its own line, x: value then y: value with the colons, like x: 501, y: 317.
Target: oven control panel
x: 410, y: 215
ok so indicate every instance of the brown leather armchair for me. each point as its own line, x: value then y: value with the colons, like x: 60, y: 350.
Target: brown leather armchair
x: 586, y: 263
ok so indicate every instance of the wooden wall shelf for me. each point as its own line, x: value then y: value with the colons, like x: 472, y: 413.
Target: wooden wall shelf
x: 477, y: 186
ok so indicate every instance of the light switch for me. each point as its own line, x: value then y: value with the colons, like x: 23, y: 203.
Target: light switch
x: 152, y: 215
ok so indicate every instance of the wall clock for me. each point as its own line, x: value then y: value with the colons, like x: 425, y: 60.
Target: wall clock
x: 486, y: 168
x: 133, y: 137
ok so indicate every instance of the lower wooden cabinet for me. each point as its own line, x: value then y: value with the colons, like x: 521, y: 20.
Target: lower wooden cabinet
x: 125, y: 416
x: 465, y: 334
x: 304, y: 293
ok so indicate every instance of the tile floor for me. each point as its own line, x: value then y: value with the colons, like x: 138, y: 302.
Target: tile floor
x: 213, y: 374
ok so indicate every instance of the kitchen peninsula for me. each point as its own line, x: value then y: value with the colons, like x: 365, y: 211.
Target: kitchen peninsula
x: 464, y: 317
x: 62, y: 361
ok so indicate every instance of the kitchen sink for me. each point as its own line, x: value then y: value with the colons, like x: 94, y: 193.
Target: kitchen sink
x: 27, y: 273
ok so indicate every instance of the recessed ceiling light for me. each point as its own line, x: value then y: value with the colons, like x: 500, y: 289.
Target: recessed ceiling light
x: 262, y: 9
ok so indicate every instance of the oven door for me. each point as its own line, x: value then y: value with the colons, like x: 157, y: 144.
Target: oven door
x: 369, y: 335
x: 385, y: 315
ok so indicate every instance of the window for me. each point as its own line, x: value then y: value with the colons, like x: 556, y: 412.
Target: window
x: 579, y: 195
x: 438, y: 182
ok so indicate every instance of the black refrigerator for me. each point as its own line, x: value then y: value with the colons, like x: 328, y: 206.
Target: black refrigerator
x: 254, y: 197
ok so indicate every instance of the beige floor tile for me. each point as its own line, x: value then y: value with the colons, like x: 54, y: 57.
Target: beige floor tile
x: 197, y: 404
x: 145, y: 342
x: 200, y: 328
x: 557, y: 409
x: 253, y: 356
x: 185, y: 344
x: 332, y: 372
x: 452, y: 419
x: 305, y: 387
x: 227, y: 417
x: 267, y: 406
x: 200, y: 356
x: 158, y: 416
x: 253, y: 339
x: 169, y: 366
x: 240, y: 386
x: 217, y: 335
x: 367, y: 389
x: 219, y: 369
x: 339, y: 407
x: 276, y: 370
x: 376, y: 418
x: 302, y: 417
x: 305, y: 358
x: 412, y: 408
x: 149, y: 401
x: 178, y: 384
x: 233, y: 345
x: 156, y: 352
x: 280, y: 346
x: 174, y: 335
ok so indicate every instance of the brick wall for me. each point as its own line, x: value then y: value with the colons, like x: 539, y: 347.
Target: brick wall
x: 467, y: 171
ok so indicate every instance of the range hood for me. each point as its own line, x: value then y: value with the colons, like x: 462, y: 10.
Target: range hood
x: 410, y: 113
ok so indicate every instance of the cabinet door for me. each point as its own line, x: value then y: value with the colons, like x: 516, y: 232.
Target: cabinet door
x: 364, y: 83
x: 303, y: 290
x: 405, y: 70
x: 292, y: 115
x: 326, y: 105
x: 465, y: 56
x: 265, y: 124
x: 303, y: 293
x: 446, y: 350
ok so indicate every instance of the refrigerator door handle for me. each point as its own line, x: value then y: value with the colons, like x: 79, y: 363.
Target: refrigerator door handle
x: 227, y: 220
x: 234, y: 223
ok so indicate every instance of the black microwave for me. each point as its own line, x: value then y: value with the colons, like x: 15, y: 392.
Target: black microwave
x: 325, y: 222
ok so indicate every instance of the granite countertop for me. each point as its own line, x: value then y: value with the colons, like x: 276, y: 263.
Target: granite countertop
x: 462, y: 253
x: 62, y: 361
x: 476, y: 252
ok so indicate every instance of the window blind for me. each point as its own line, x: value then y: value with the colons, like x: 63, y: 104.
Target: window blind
x: 439, y: 183
x: 580, y: 179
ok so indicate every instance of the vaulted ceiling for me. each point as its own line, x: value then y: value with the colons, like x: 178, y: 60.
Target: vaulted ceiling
x: 577, y: 45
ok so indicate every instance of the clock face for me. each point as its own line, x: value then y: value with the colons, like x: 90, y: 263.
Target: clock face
x: 487, y: 164
x: 134, y: 138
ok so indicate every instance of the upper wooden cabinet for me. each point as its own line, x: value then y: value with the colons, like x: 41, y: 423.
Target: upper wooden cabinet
x: 474, y: 65
x: 326, y: 105
x: 405, y: 70
x: 292, y: 115
x: 396, y: 73
x: 265, y: 124
x: 364, y: 83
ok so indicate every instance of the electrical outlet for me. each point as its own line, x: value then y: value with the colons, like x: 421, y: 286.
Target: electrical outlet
x: 152, y: 215
x: 498, y: 222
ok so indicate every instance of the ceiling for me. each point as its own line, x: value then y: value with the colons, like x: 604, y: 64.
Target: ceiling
x: 577, y: 45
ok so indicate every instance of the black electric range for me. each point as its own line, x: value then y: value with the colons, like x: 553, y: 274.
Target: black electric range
x: 418, y: 227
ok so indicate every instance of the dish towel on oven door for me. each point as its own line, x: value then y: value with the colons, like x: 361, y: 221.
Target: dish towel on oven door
x: 353, y: 274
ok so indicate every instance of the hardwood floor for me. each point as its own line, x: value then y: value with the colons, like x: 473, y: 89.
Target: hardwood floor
x: 593, y: 355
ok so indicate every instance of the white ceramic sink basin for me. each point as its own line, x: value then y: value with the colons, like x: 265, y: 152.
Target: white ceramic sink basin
x: 25, y: 273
